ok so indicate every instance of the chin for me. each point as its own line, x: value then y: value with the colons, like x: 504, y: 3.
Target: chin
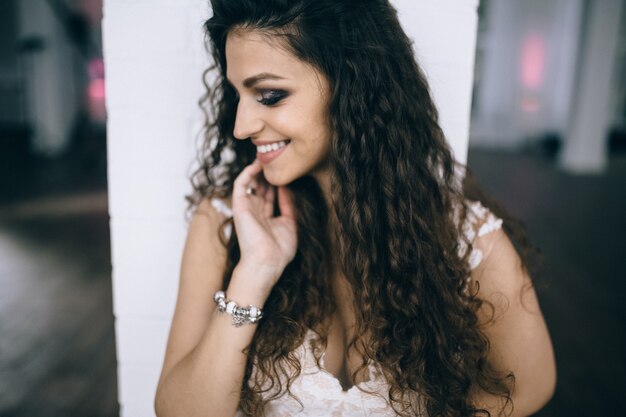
x: 277, y: 179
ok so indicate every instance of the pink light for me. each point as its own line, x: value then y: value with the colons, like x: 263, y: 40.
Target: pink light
x: 533, y: 61
x: 96, y: 89
x: 95, y: 102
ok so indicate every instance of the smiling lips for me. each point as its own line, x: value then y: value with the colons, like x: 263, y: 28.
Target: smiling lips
x: 268, y: 152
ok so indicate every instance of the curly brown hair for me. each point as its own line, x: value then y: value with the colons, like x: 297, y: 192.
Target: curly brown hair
x: 394, y: 192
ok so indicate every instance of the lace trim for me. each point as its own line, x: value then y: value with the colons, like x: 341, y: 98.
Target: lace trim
x: 221, y: 207
x: 321, y: 394
x: 477, y: 214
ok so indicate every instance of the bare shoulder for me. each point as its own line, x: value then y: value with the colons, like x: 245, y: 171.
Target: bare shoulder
x: 501, y: 269
x: 204, y: 252
x: 494, y: 261
x: 201, y: 273
x: 513, y: 322
x: 204, y: 255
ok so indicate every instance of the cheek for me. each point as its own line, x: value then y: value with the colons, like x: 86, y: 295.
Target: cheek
x: 306, y: 126
x: 323, y: 132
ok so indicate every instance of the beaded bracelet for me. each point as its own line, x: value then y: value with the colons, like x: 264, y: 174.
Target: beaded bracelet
x: 241, y: 315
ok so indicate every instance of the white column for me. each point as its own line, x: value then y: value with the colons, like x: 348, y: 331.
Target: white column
x: 154, y: 56
x: 444, y: 36
x: 585, y: 145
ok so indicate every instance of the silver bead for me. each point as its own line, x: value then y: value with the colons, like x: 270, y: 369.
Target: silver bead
x: 220, y: 295
x: 240, y: 315
x: 230, y: 307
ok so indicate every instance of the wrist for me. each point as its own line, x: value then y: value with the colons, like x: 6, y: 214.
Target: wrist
x: 249, y: 286
x: 259, y: 272
x: 258, y: 275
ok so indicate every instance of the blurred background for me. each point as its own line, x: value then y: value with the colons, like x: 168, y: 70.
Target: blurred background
x: 548, y: 141
x: 57, y: 349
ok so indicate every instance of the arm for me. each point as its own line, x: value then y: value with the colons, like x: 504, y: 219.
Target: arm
x: 517, y: 333
x: 204, y: 362
x: 204, y: 365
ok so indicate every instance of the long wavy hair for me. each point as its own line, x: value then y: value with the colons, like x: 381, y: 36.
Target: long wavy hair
x: 399, y: 205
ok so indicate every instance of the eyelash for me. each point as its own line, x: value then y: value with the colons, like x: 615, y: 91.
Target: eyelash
x: 271, y: 97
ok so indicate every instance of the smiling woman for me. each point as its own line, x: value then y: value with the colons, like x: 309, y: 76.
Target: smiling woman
x: 359, y: 278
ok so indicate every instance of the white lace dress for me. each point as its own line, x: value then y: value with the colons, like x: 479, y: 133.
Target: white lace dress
x: 320, y: 392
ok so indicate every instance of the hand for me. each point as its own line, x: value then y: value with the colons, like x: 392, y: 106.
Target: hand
x: 267, y: 242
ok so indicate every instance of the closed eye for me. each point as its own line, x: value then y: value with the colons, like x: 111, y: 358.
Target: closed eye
x: 271, y: 97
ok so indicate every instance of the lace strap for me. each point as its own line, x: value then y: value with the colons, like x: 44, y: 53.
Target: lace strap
x: 479, y: 222
x: 480, y: 215
x: 219, y: 205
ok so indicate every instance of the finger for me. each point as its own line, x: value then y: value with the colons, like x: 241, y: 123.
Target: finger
x: 262, y: 185
x: 285, y: 202
x: 246, y: 179
x: 268, y: 203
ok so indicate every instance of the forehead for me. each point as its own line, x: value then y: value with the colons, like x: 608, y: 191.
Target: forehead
x: 249, y: 53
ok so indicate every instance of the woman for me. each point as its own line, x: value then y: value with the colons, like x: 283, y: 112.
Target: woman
x: 383, y: 290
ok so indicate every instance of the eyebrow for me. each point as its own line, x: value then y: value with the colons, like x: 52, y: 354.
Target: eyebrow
x: 251, y: 81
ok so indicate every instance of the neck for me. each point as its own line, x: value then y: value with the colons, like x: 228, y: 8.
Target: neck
x: 322, y: 174
x: 323, y: 179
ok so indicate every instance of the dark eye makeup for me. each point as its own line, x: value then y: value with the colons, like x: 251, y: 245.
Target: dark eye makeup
x: 271, y: 97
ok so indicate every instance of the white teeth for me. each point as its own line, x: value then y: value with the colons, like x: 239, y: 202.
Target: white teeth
x: 271, y: 146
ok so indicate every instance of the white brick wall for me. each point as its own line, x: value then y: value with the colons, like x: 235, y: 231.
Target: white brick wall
x: 154, y: 57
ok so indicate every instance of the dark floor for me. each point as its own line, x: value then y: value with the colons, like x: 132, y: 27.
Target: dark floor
x: 579, y: 224
x: 57, y: 352
x: 56, y: 322
x: 57, y: 345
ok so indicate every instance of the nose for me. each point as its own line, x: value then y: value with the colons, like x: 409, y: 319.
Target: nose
x: 248, y: 122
